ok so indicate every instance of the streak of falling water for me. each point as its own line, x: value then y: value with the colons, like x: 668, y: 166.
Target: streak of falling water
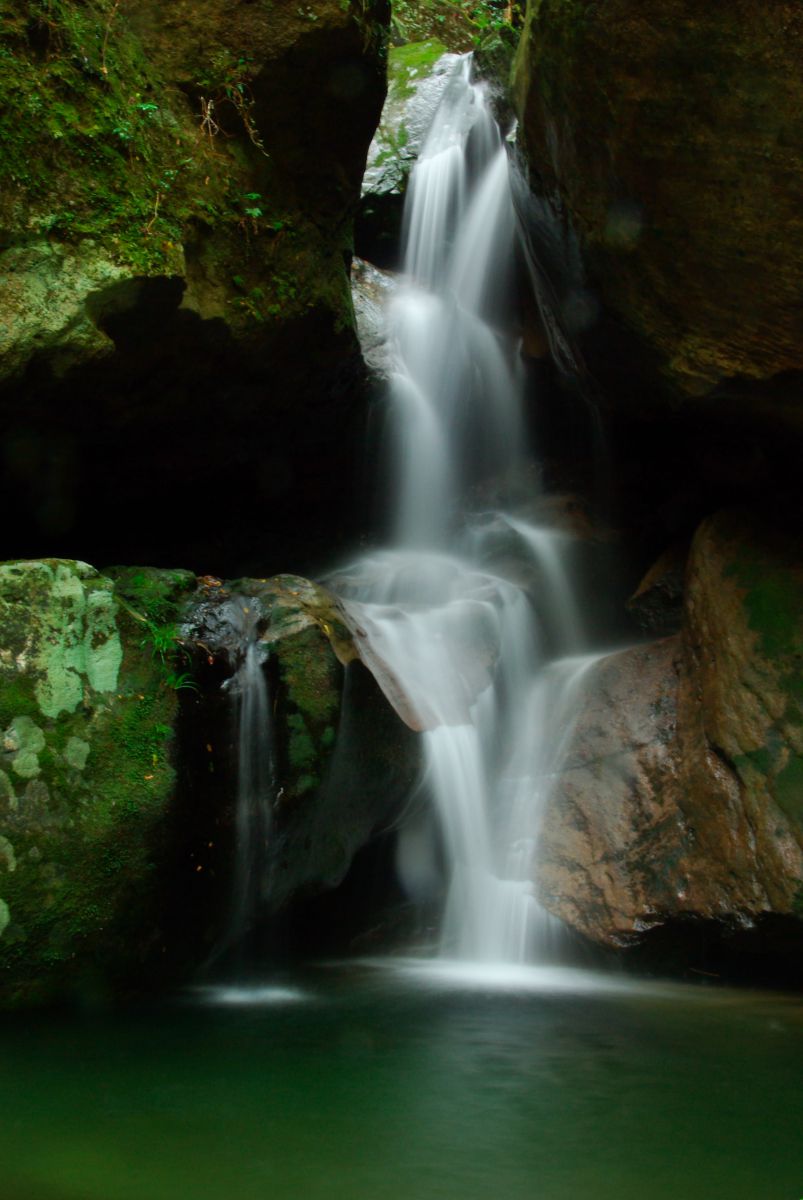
x: 447, y: 627
x: 255, y: 780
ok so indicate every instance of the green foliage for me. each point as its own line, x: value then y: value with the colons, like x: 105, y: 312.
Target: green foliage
x: 161, y: 639
x: 225, y: 83
x: 461, y: 24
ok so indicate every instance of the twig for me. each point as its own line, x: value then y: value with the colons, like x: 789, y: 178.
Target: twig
x: 112, y: 15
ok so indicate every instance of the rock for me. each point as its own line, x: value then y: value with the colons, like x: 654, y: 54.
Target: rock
x: 682, y: 793
x: 88, y: 709
x: 418, y: 74
x: 670, y: 135
x: 169, y: 248
x: 657, y: 602
x: 371, y: 290
x: 742, y: 718
x: 345, y: 763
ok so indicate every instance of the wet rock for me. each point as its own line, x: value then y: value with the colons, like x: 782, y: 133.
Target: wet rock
x: 418, y: 74
x: 681, y: 795
x: 345, y: 763
x: 371, y: 291
x: 657, y: 602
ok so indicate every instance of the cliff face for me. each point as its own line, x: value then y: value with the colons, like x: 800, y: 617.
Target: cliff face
x: 178, y: 184
x: 670, y: 136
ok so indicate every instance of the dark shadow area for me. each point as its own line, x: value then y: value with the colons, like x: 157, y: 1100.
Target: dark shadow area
x: 184, y: 448
x: 766, y: 953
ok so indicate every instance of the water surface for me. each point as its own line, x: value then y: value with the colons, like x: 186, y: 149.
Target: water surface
x: 375, y: 1084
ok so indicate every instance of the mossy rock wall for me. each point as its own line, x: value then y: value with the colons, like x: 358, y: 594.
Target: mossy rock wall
x: 87, y: 775
x: 671, y: 136
x: 177, y: 184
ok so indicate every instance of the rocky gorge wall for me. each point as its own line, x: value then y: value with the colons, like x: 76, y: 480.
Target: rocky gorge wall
x: 173, y: 247
x: 176, y: 193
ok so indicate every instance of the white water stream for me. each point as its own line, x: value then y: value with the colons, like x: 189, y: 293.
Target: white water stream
x: 489, y: 671
x: 255, y: 778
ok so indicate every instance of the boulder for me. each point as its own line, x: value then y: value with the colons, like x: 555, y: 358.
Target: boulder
x: 344, y: 762
x: 670, y: 136
x: 88, y: 711
x: 681, y: 796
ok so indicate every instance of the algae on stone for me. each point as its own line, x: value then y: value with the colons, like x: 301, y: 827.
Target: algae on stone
x: 89, y: 719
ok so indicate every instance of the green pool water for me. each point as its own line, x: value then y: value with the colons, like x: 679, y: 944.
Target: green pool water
x: 370, y: 1083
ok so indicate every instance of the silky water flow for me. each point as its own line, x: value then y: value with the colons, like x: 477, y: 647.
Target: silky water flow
x: 489, y: 661
x: 256, y: 783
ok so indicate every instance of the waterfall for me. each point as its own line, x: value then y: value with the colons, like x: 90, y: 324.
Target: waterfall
x: 255, y: 777
x: 489, y: 666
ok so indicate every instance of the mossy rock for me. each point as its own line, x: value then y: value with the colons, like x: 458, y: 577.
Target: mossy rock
x: 344, y: 762
x: 670, y: 134
x: 87, y: 715
x: 744, y: 626
x: 176, y: 204
x: 418, y: 73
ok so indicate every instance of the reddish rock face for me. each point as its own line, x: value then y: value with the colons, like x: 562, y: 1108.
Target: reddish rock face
x: 682, y: 795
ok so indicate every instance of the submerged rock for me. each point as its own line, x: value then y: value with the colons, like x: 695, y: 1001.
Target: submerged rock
x: 88, y: 709
x: 682, y: 794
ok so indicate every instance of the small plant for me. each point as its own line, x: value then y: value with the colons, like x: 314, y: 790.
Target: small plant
x: 226, y: 82
x: 252, y: 209
x: 181, y: 682
x: 162, y: 639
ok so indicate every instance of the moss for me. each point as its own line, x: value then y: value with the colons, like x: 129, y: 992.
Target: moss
x: 85, y: 814
x: 311, y: 674
x: 154, y: 593
x: 301, y: 751
x: 774, y: 604
x: 99, y: 144
x: 788, y: 790
x: 406, y: 64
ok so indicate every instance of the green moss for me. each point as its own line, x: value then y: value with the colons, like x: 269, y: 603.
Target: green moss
x: 152, y: 592
x: 16, y: 698
x: 406, y: 64
x: 300, y: 748
x: 774, y: 605
x: 788, y: 790
x: 85, y: 791
x: 98, y: 144
x: 312, y: 675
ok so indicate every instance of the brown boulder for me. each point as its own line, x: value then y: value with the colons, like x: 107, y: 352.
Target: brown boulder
x: 682, y: 792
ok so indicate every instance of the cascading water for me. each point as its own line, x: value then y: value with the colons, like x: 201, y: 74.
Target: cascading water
x: 474, y: 654
x: 255, y: 778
